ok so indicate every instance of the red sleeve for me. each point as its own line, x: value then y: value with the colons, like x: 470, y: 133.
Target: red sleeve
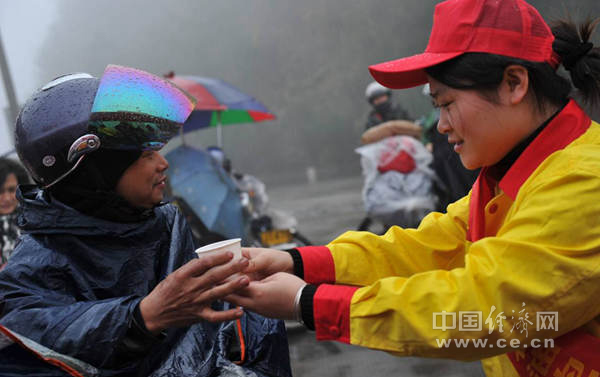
x: 318, y: 264
x: 331, y: 308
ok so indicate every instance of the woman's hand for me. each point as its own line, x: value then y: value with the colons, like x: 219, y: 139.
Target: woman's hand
x: 266, y: 262
x: 185, y: 296
x: 272, y: 297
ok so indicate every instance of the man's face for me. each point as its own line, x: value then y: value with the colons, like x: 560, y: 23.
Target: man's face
x: 8, y: 197
x: 379, y: 100
x: 144, y: 182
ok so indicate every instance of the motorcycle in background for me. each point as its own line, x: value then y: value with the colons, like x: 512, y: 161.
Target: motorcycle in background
x: 220, y: 203
x: 271, y: 228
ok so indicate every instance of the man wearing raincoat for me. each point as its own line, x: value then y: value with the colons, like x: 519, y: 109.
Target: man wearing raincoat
x: 105, y: 281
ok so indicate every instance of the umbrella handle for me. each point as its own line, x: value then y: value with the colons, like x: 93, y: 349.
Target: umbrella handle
x: 219, y: 131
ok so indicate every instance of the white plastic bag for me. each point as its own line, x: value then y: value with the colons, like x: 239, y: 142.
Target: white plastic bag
x: 398, y: 186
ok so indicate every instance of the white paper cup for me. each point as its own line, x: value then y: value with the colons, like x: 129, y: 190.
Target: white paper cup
x: 233, y: 245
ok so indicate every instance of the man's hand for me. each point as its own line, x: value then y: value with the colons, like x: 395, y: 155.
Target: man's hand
x: 266, y: 262
x: 272, y: 297
x: 185, y: 296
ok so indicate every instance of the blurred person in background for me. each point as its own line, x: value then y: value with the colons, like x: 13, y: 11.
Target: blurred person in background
x: 509, y: 273
x: 218, y: 155
x: 12, y: 174
x: 384, y: 108
x: 386, y: 119
x: 253, y: 192
x: 105, y: 280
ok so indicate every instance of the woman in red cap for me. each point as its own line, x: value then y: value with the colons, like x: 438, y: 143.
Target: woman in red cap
x: 509, y: 272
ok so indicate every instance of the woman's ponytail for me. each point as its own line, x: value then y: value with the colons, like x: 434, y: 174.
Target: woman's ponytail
x: 579, y: 57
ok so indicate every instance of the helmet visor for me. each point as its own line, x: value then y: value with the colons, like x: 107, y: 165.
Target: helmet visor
x: 137, y: 110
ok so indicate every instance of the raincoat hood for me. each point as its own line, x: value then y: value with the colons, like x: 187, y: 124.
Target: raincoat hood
x: 43, y: 214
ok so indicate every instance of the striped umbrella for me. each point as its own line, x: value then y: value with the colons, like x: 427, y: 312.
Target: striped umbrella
x: 219, y: 103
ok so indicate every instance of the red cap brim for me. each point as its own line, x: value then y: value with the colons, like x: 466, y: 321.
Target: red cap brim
x: 408, y: 72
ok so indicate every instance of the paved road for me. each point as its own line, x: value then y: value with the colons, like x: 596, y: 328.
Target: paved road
x: 324, y: 210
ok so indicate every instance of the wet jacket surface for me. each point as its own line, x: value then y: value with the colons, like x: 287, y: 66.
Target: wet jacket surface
x: 539, y: 252
x: 73, y: 282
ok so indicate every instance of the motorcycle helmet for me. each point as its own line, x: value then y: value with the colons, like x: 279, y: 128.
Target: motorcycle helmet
x: 375, y: 90
x: 217, y: 154
x: 220, y: 158
x: 76, y: 114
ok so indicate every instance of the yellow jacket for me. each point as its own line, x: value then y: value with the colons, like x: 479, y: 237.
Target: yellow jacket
x: 540, y: 254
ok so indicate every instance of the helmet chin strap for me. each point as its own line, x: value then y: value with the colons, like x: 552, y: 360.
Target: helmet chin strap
x: 65, y: 174
x: 78, y: 150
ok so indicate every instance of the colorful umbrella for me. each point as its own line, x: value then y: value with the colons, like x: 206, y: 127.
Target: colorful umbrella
x: 219, y: 103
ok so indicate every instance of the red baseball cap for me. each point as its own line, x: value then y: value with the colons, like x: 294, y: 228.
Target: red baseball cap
x: 511, y: 28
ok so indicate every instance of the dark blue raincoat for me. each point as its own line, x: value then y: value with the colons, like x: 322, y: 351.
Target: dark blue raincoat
x: 74, y: 281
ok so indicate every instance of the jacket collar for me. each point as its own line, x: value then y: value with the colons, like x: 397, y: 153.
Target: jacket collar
x: 567, y: 126
x: 42, y: 214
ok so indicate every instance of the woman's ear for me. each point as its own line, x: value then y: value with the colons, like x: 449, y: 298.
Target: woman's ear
x: 515, y: 84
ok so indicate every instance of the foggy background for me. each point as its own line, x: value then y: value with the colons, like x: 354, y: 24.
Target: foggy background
x: 305, y: 60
